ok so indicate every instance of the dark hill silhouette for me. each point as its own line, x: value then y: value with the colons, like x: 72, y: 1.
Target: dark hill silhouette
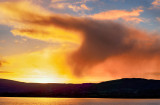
x: 122, y: 88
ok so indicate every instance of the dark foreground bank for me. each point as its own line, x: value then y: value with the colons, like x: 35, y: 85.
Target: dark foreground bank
x: 122, y: 88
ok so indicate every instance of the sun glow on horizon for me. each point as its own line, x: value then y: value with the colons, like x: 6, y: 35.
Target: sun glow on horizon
x: 45, y: 80
x: 38, y: 67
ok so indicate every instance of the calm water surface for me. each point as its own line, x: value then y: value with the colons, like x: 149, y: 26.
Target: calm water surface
x: 76, y: 101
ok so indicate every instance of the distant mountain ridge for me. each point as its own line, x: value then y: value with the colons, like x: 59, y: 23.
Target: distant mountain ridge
x: 121, y: 88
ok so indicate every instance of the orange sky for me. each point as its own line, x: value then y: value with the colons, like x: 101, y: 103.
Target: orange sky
x: 91, y: 48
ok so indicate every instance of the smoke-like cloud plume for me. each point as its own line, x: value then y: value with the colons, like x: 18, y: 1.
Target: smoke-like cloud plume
x: 106, y: 43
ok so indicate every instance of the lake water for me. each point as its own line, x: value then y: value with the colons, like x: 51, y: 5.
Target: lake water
x: 76, y: 101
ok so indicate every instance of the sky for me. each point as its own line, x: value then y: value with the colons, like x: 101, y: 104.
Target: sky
x: 77, y: 41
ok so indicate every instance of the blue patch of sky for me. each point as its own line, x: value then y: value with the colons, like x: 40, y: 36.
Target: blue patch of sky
x: 105, y: 5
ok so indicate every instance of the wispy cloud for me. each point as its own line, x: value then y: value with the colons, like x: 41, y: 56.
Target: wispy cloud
x: 4, y: 72
x: 72, y: 4
x: 155, y: 4
x: 119, y: 14
x: 158, y: 19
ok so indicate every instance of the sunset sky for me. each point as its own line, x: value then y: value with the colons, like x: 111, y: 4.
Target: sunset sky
x: 77, y: 41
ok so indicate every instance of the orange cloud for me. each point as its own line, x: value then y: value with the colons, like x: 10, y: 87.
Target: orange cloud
x: 119, y: 14
x: 57, y: 0
x: 85, y: 7
x: 79, y: 8
x: 58, y: 5
x: 73, y: 5
x: 158, y: 19
x: 155, y: 4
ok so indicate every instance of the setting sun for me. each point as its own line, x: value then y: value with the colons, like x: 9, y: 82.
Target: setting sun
x: 49, y: 80
x: 45, y: 80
